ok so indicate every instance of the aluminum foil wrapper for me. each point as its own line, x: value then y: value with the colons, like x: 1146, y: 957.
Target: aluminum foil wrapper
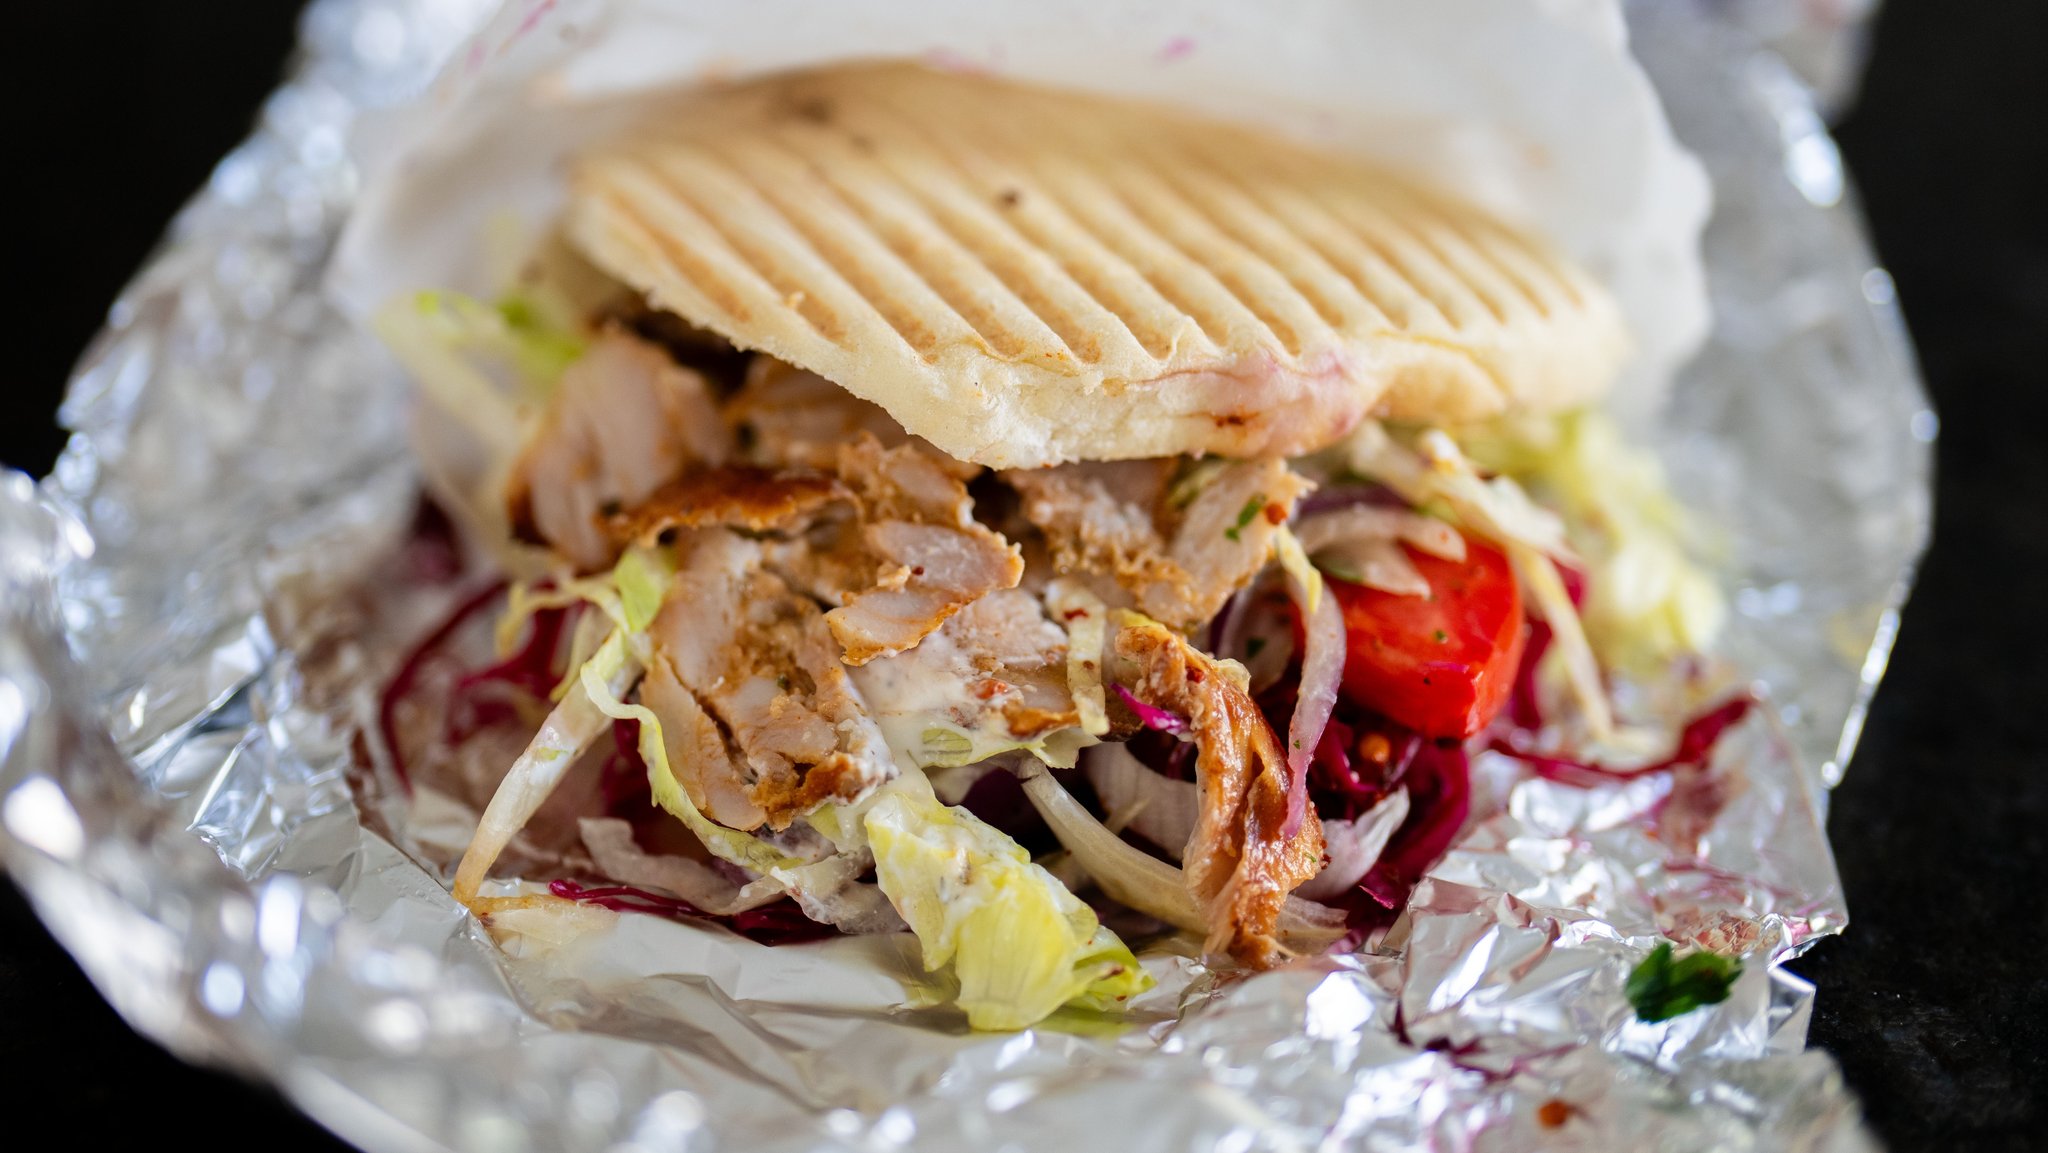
x: 193, y: 620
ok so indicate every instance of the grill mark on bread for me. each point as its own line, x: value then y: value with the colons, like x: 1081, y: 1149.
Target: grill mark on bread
x: 977, y: 246
x: 863, y: 273
x: 1304, y: 270
x: 1042, y: 218
x: 1112, y: 225
x: 718, y: 290
x: 755, y: 256
x: 1498, y: 252
x: 1197, y: 237
x: 1082, y: 267
x: 780, y: 257
x: 1370, y: 225
x: 873, y: 254
x: 1501, y: 296
x: 1398, y: 304
x: 1518, y: 258
x: 1079, y: 192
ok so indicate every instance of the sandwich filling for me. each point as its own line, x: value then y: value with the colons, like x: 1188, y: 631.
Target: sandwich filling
x: 1221, y: 682
x: 771, y: 656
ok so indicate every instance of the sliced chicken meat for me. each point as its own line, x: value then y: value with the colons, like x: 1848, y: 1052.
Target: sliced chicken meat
x: 906, y: 555
x: 1179, y: 539
x: 623, y: 420
x: 760, y: 719
x: 992, y: 676
x: 1238, y: 863
x: 733, y: 496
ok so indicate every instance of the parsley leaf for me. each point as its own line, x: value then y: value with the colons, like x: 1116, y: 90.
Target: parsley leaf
x: 1661, y: 988
x: 1251, y: 509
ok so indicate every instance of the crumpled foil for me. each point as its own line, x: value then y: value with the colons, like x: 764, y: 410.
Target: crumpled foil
x: 181, y: 698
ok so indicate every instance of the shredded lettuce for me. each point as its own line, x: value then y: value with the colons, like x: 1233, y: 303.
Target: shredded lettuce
x: 629, y: 597
x: 1647, y: 599
x: 1428, y: 470
x: 1019, y: 943
x: 1554, y: 604
x: 572, y: 727
x: 1087, y: 623
x: 514, y: 330
x: 642, y: 577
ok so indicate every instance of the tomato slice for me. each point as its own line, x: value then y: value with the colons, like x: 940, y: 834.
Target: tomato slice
x: 1443, y: 664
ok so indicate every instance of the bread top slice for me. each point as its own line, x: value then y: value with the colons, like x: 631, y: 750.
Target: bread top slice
x: 1026, y: 277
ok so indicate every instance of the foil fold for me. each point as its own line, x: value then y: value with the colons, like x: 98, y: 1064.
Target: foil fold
x: 185, y: 672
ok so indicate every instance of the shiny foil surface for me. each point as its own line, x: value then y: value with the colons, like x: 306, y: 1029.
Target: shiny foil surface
x: 199, y: 606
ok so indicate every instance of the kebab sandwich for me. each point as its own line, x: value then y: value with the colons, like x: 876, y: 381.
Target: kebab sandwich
x: 1190, y: 503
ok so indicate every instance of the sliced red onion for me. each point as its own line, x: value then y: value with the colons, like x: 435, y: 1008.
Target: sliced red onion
x: 1157, y: 808
x: 1354, y: 847
x: 1426, y: 533
x: 1145, y: 883
x: 1338, y: 496
x: 620, y: 858
x: 1152, y: 716
x: 1376, y: 564
x: 1322, y: 672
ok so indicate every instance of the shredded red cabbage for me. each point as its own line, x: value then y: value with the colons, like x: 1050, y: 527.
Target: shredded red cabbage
x: 1153, y: 717
x: 776, y: 923
x: 491, y: 695
x: 402, y: 683
x: 1342, y: 788
x: 1439, y: 783
x: 1695, y: 746
x: 1523, y: 708
x: 432, y: 553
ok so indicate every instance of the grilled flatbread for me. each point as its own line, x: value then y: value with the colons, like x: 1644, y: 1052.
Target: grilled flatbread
x: 1026, y: 277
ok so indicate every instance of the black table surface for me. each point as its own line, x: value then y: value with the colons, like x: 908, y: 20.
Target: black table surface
x: 1934, y: 1001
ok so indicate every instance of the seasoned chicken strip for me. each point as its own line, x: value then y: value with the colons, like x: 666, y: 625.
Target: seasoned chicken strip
x: 623, y: 420
x: 784, y: 417
x: 996, y: 670
x: 735, y: 496
x: 756, y: 660
x: 1178, y: 548
x: 909, y: 554
x: 1238, y: 864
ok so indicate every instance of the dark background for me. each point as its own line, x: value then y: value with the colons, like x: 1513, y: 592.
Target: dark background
x: 1935, y: 1001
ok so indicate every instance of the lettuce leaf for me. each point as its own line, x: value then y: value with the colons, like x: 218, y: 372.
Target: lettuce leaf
x: 1019, y: 943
